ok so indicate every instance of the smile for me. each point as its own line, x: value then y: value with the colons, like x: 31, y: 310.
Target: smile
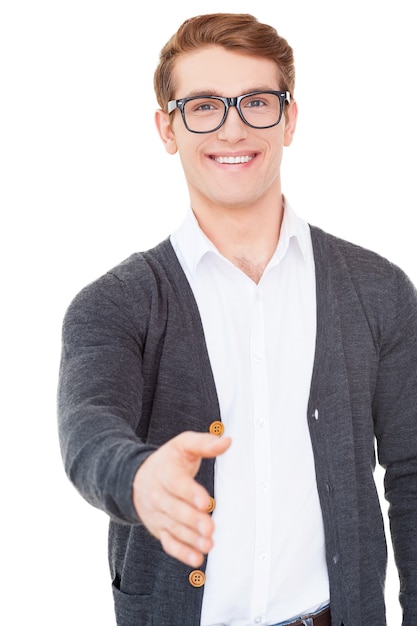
x: 233, y: 159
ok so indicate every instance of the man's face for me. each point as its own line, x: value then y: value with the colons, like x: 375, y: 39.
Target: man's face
x: 213, y: 183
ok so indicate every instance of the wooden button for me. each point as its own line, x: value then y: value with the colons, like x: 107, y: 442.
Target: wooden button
x: 216, y: 428
x: 197, y: 578
x: 211, y: 505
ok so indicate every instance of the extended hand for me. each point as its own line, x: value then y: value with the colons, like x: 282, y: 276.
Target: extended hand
x: 170, y: 503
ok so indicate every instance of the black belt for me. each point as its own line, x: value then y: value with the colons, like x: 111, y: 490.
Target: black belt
x: 318, y: 619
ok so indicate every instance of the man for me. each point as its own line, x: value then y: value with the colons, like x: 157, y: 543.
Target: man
x: 220, y: 394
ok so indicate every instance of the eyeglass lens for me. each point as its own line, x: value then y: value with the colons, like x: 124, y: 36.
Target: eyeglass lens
x: 206, y: 114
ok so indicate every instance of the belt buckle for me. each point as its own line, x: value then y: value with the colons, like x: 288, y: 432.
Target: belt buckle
x: 307, y: 621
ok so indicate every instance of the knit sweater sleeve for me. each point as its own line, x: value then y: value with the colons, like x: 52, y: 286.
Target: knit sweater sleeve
x: 100, y: 397
x: 395, y: 414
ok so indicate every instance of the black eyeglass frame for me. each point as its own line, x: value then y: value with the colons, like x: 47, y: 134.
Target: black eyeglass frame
x: 284, y: 97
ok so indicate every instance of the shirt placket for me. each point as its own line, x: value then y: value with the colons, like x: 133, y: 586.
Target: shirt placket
x: 262, y: 463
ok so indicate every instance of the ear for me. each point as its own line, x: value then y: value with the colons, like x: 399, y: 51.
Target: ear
x: 290, y: 123
x: 163, y: 124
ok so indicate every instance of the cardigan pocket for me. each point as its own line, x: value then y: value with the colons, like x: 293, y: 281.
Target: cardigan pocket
x: 132, y: 609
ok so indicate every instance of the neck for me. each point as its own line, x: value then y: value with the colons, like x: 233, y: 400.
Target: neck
x: 247, y: 237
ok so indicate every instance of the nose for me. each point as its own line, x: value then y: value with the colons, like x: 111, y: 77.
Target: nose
x: 233, y: 128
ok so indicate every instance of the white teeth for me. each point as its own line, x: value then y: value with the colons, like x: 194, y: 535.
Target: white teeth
x: 231, y: 159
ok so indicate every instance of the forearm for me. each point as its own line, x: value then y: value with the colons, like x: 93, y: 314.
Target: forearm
x: 101, y: 458
x: 401, y: 492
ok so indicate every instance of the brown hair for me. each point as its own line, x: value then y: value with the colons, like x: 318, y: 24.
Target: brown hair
x: 234, y: 31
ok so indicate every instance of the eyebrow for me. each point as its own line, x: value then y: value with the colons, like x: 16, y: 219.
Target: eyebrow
x: 213, y: 92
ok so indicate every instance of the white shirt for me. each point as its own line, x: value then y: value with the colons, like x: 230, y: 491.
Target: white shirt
x: 268, y: 561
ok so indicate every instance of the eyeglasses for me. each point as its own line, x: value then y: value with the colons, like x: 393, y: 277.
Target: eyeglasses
x: 205, y: 114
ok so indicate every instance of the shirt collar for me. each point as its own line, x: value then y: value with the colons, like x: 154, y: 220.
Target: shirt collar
x: 295, y: 229
x: 193, y: 244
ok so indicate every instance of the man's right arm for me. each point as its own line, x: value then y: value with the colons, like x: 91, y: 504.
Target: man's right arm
x: 100, y: 404
x: 100, y: 398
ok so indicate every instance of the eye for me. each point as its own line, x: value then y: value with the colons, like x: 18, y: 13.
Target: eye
x: 255, y: 103
x: 203, y: 105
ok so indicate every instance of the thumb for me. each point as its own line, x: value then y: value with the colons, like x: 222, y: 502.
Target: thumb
x: 203, y: 445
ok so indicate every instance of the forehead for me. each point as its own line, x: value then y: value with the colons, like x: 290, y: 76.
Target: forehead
x: 217, y: 71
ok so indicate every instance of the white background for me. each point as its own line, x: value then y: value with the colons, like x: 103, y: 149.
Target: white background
x: 85, y: 182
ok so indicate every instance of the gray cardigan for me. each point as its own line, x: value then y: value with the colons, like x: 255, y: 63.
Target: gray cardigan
x: 135, y: 372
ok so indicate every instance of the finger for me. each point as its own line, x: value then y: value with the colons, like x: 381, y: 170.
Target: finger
x: 197, y: 534
x: 184, y: 552
x: 183, y: 529
x: 202, y: 445
x: 182, y: 490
